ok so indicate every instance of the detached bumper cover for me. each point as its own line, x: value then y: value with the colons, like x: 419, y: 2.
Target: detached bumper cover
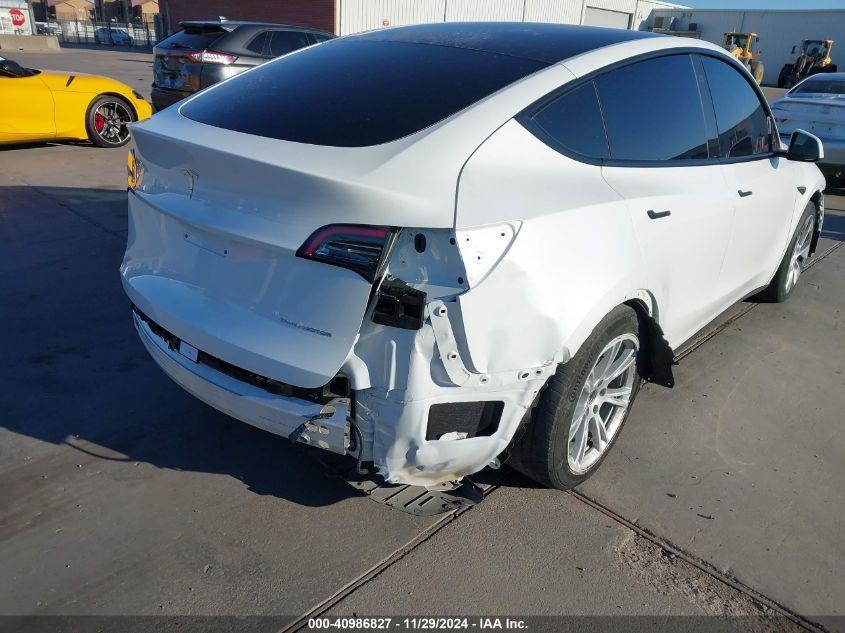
x: 322, y: 425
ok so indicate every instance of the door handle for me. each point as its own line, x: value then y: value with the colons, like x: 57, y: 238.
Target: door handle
x: 656, y: 215
x: 745, y: 194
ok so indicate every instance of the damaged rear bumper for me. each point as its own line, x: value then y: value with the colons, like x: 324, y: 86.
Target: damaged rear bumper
x: 323, y: 425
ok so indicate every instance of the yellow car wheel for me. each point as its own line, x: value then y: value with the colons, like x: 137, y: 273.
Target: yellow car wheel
x: 107, y: 121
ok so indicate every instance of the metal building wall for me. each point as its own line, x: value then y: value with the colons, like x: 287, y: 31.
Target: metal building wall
x: 779, y: 31
x: 363, y: 15
x: 353, y: 16
x: 484, y: 10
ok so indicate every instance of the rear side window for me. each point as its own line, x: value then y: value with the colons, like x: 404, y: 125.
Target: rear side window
x: 258, y: 43
x: 573, y: 121
x: 652, y: 111
x: 354, y: 92
x: 820, y: 85
x: 284, y: 42
x: 743, y: 123
x: 193, y: 37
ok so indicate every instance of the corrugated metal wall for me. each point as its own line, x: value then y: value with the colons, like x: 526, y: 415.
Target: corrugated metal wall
x: 567, y: 12
x: 365, y: 15
x: 779, y: 31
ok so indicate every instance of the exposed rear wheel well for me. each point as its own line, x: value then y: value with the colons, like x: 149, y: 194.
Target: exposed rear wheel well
x: 817, y: 200
x: 656, y: 357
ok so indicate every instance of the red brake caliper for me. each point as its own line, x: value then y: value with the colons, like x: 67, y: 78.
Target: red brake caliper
x: 99, y: 122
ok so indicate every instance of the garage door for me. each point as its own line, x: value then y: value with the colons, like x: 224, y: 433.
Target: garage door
x: 605, y: 17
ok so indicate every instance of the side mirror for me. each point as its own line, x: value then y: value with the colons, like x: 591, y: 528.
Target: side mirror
x: 805, y: 147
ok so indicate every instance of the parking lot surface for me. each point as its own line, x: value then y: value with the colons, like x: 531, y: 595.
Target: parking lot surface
x: 122, y: 494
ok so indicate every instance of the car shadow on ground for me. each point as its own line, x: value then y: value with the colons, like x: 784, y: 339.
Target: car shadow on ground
x: 76, y: 375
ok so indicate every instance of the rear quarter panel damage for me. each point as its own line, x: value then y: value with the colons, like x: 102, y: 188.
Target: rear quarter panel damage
x: 574, y: 259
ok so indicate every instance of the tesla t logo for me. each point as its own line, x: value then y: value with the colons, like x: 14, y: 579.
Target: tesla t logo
x: 17, y: 16
x: 192, y: 177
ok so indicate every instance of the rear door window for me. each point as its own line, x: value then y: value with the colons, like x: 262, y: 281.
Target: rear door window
x: 284, y: 42
x: 194, y: 37
x: 573, y: 123
x: 652, y: 111
x: 258, y: 44
x: 354, y: 92
x: 741, y: 118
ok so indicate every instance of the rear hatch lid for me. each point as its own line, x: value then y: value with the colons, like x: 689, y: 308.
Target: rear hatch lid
x: 214, y: 232
x: 172, y: 69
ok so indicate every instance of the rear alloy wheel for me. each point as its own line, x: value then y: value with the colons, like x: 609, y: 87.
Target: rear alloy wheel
x: 800, y: 253
x: 602, y: 403
x: 582, y: 408
x: 107, y: 121
x: 794, y: 260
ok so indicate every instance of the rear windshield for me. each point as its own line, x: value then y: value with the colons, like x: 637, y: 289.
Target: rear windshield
x: 354, y: 92
x: 193, y: 37
x: 820, y: 85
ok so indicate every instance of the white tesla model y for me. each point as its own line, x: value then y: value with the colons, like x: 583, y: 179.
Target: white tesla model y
x: 434, y: 246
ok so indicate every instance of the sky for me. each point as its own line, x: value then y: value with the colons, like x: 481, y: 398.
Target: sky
x: 763, y: 4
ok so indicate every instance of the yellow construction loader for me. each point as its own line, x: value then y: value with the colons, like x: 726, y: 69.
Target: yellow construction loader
x: 812, y: 57
x: 739, y: 45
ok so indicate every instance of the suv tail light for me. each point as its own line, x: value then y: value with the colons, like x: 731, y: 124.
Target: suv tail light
x: 211, y: 57
x: 353, y: 246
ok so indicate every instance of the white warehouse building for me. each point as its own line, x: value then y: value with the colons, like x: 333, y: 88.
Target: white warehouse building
x: 353, y: 16
x: 778, y: 30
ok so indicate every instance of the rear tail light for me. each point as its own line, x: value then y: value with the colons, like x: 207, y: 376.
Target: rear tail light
x: 353, y: 246
x: 211, y: 57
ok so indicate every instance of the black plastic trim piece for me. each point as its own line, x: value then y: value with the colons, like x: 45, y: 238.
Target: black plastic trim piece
x: 399, y: 305
x: 476, y: 419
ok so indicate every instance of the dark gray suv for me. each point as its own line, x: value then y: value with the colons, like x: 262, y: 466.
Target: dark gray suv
x: 205, y: 52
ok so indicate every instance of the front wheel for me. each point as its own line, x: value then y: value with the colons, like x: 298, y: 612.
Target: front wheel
x: 581, y: 410
x: 795, y: 259
x: 107, y: 121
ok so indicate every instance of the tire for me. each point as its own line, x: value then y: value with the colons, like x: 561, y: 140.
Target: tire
x: 546, y: 452
x: 794, y: 259
x: 105, y: 130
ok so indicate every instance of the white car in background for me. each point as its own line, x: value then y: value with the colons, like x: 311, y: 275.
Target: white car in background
x: 817, y: 105
x: 433, y: 246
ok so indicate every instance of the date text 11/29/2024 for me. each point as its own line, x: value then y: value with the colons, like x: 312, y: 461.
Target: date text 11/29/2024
x: 417, y: 623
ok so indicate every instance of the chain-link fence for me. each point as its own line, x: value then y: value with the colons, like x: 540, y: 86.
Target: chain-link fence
x: 129, y: 34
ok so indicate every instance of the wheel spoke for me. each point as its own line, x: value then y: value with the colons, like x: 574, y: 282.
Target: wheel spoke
x: 599, y: 432
x: 606, y: 361
x: 580, y: 414
x: 620, y: 365
x: 618, y: 396
x: 578, y: 446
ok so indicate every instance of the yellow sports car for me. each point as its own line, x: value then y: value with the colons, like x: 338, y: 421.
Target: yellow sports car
x: 47, y: 105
